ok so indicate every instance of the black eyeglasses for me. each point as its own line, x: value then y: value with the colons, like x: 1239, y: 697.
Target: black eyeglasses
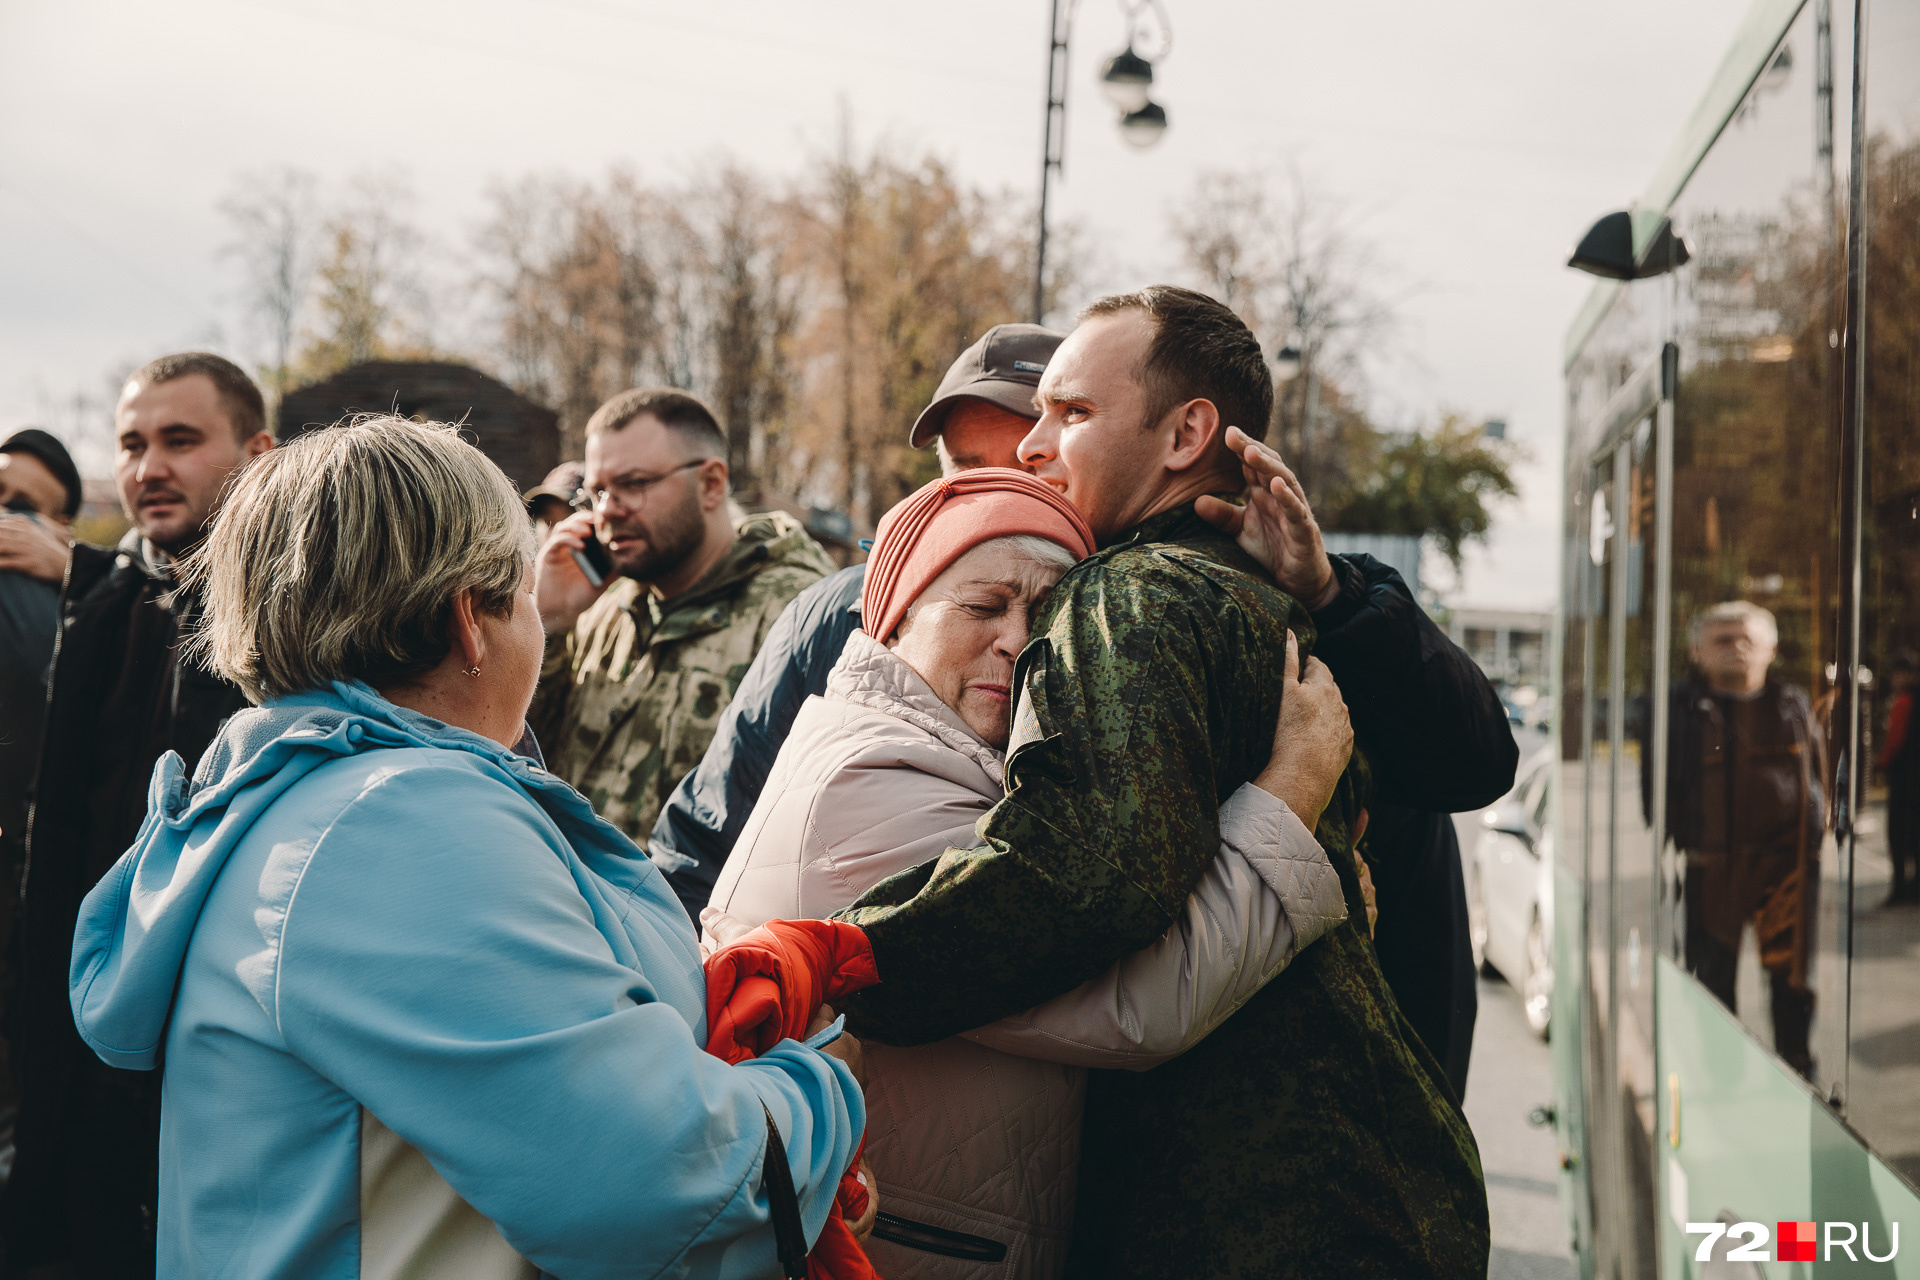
x: 632, y: 490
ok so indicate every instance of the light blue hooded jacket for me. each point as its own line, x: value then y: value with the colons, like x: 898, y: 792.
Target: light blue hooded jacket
x: 354, y: 906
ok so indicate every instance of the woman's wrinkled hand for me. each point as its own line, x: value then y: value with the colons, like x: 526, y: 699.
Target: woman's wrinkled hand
x: 863, y: 1227
x: 1312, y: 741
x: 1366, y: 891
x: 844, y: 1047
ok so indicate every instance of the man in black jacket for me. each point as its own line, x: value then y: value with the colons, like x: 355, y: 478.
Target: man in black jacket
x: 1434, y: 729
x: 83, y: 1186
x: 1746, y: 808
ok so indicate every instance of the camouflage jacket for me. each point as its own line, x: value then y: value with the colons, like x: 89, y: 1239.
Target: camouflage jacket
x: 629, y: 698
x: 1312, y: 1134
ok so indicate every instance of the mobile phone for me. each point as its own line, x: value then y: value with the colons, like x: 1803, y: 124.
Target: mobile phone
x: 594, y: 561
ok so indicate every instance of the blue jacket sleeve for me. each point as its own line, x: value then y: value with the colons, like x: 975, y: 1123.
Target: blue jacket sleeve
x: 440, y: 963
x: 704, y: 817
x: 1432, y: 725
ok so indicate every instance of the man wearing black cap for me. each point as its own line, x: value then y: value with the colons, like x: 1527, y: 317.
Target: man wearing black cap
x: 39, y: 494
x: 39, y: 497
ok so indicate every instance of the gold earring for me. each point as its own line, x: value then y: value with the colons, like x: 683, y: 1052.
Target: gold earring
x: 473, y: 670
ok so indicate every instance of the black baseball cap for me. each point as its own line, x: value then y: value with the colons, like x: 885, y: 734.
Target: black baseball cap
x: 1002, y: 368
x: 36, y: 443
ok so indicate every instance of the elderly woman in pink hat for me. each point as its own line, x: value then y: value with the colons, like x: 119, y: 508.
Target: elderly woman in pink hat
x: 974, y: 1141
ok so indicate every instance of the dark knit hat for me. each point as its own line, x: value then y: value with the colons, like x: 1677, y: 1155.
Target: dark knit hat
x: 36, y: 443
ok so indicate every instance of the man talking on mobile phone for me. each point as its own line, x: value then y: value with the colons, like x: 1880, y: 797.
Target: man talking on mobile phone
x: 641, y: 662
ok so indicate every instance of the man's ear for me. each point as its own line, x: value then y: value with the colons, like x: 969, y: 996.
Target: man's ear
x: 713, y: 485
x: 257, y: 443
x: 1197, y: 436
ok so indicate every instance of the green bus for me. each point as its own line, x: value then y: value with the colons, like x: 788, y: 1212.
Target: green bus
x: 1736, y: 1003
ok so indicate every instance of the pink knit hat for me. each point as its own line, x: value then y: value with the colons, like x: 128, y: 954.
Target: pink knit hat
x: 942, y: 521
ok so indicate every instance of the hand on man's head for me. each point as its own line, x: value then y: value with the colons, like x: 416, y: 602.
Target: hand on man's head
x: 1276, y: 527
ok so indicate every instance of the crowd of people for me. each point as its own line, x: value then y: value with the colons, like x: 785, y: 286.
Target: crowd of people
x: 419, y: 878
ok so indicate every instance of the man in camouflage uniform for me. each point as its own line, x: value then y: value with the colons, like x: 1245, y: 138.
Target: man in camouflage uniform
x: 640, y: 666
x: 1312, y: 1134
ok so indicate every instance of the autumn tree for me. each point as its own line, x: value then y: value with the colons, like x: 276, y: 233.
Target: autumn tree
x: 370, y: 297
x: 1284, y: 258
x: 1438, y: 484
x: 274, y: 220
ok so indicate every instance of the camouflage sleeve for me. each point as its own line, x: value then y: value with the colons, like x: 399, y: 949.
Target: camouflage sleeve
x: 1109, y: 823
x: 547, y: 715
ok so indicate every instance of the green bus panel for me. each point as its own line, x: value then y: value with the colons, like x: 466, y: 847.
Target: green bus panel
x: 1754, y: 1143
x: 1570, y: 1111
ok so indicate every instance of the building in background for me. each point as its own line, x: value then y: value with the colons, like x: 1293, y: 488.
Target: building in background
x: 522, y: 438
x: 1509, y: 644
x: 1399, y: 551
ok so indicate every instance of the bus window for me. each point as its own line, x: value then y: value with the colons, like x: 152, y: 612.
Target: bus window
x: 1883, y: 1077
x: 1756, y: 570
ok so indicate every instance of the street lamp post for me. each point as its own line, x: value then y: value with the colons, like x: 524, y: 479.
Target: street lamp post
x: 1127, y: 78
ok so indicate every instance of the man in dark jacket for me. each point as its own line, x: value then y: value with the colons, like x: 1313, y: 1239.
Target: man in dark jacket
x: 1444, y: 741
x: 1746, y: 809
x: 83, y: 1185
x: 39, y: 494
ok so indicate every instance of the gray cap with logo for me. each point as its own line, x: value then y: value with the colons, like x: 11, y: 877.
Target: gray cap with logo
x: 1003, y: 368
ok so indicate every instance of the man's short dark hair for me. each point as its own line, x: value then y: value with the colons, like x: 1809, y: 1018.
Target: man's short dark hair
x: 1200, y: 351
x: 246, y: 409
x: 676, y: 409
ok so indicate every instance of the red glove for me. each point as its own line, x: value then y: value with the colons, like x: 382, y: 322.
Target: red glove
x: 765, y: 987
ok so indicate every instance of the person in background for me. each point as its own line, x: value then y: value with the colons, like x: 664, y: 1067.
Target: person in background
x: 83, y: 1184
x: 1444, y: 745
x: 422, y: 1012
x: 982, y: 408
x: 39, y: 496
x: 641, y: 664
x: 551, y: 501
x: 1900, y: 766
x: 1746, y: 810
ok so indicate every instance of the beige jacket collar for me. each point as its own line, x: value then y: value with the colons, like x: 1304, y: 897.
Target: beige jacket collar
x: 869, y: 675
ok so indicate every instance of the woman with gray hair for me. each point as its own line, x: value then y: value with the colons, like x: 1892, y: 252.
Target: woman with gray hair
x: 422, y: 1012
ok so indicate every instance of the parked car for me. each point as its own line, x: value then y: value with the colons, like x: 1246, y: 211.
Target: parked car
x: 1510, y: 888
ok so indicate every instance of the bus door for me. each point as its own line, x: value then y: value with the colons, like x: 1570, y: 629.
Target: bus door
x: 1623, y: 721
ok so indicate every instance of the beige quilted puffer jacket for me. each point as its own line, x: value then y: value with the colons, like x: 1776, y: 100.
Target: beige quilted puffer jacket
x: 975, y: 1140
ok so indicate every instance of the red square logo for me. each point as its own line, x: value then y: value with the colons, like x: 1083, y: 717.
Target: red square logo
x: 1796, y: 1242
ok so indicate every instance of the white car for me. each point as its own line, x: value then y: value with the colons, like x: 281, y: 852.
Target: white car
x: 1509, y: 870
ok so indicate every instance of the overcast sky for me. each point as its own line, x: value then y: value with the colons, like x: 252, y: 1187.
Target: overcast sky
x: 1473, y: 142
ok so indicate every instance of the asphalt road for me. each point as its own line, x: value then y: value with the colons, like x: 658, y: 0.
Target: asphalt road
x: 1509, y: 1076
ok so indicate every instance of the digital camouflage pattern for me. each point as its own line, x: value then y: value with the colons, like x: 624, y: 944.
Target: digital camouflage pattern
x: 1312, y: 1134
x: 629, y: 698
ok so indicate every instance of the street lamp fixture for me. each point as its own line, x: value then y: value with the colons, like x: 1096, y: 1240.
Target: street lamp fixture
x: 1126, y: 79
x: 1143, y: 128
x: 1286, y: 363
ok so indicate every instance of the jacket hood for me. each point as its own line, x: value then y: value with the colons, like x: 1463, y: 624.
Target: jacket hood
x: 869, y: 675
x: 760, y: 542
x: 134, y: 927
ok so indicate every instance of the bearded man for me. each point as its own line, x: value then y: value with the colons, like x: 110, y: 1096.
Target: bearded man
x: 641, y: 663
x: 1312, y: 1134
